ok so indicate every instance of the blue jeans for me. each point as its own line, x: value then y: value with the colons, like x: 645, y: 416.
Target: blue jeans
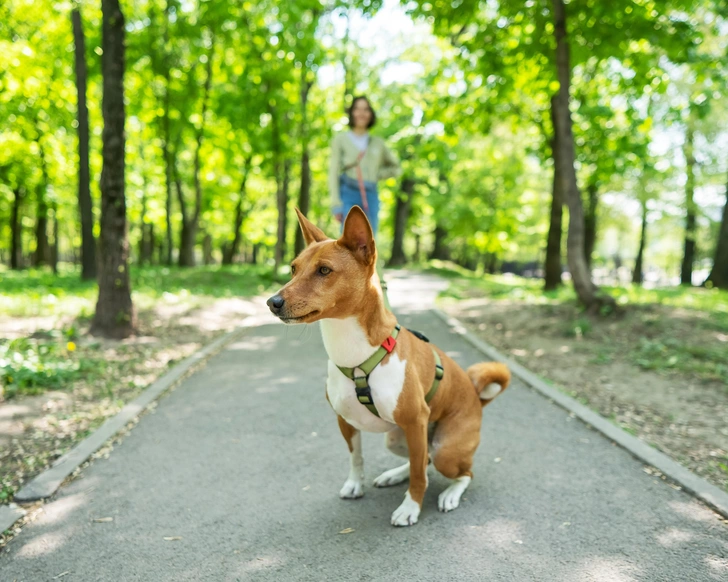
x: 351, y: 196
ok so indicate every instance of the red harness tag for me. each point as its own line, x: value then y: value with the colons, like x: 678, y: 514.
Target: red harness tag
x: 389, y: 343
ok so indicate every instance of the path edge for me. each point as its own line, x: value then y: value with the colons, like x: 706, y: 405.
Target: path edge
x: 47, y: 483
x: 708, y: 493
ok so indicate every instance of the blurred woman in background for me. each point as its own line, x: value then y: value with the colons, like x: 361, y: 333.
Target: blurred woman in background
x: 358, y: 161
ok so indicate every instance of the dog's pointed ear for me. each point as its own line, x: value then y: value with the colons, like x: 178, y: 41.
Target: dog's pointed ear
x: 358, y: 236
x: 311, y: 232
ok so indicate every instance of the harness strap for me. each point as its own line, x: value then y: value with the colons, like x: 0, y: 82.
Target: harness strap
x: 361, y: 383
x: 372, y: 361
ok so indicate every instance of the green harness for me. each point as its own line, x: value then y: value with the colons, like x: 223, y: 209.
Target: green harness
x: 364, y: 391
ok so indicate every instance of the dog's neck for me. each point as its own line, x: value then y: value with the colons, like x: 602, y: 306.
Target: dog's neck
x: 351, y: 340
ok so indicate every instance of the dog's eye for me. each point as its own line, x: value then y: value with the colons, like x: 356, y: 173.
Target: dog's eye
x: 324, y: 270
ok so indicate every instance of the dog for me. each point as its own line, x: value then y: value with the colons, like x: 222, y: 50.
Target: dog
x: 429, y: 408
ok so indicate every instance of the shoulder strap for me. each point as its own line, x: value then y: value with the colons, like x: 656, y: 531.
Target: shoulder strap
x: 439, y: 373
x: 359, y: 158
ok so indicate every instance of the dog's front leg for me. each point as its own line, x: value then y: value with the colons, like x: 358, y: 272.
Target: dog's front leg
x: 409, y: 511
x: 352, y: 488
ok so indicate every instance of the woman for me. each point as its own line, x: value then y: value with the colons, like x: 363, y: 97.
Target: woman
x: 358, y: 162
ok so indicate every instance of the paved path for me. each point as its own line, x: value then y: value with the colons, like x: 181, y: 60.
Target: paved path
x: 242, y: 463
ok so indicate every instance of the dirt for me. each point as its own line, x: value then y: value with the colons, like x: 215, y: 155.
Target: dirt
x: 680, y: 410
x: 36, y: 430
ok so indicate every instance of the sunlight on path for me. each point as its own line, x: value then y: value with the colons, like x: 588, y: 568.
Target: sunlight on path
x: 410, y: 292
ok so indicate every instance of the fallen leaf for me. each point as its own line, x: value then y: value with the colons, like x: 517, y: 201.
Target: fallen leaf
x: 307, y: 487
x: 347, y: 530
x: 497, y: 460
x: 61, y: 575
x: 172, y: 538
x: 103, y: 519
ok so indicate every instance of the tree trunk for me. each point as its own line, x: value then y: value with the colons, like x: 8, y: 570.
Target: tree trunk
x: 54, y: 246
x: 232, y: 249
x: 187, y: 237
x: 719, y: 273
x: 207, y: 258
x: 439, y: 249
x: 586, y: 291
x: 146, y: 238
x: 85, y: 205
x: 304, y: 194
x: 192, y: 224
x: 590, y: 223
x: 401, y: 215
x: 146, y: 244
x: 686, y: 270
x: 638, y: 268
x: 42, y: 255
x: 114, y: 310
x: 281, y: 190
x: 491, y: 263
x: 168, y: 160
x: 552, y: 265
x: 16, y: 239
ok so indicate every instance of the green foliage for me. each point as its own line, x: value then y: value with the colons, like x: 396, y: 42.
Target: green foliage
x: 29, y: 366
x: 471, y: 125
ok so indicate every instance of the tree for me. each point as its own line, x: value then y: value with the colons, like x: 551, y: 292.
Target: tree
x: 686, y: 269
x: 85, y: 206
x: 719, y: 273
x: 564, y: 141
x: 552, y: 264
x: 114, y: 309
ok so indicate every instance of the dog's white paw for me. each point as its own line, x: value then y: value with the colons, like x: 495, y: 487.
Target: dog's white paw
x: 351, y: 490
x: 407, y: 513
x: 393, y: 476
x: 450, y: 498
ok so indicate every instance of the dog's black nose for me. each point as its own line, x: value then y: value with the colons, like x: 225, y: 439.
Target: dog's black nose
x: 275, y: 303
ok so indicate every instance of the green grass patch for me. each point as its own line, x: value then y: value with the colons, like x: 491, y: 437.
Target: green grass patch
x: 40, y: 293
x: 466, y: 284
x: 31, y: 366
x: 666, y: 354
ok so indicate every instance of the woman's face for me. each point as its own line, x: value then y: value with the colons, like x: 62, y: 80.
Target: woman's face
x: 361, y: 113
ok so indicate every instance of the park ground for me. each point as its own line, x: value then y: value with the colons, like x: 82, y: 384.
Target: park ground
x: 658, y: 368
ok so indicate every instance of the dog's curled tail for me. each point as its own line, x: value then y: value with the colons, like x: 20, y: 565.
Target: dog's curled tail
x: 489, y: 379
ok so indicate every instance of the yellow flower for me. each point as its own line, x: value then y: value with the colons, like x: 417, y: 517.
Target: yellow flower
x: 71, y: 347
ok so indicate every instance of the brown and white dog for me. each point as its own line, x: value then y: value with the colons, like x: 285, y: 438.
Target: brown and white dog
x: 335, y: 282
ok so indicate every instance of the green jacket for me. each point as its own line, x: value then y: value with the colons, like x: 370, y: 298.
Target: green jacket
x: 378, y: 163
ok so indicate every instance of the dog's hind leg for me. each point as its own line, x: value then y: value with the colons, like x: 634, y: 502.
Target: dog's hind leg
x: 454, y: 445
x: 396, y: 442
x: 352, y: 488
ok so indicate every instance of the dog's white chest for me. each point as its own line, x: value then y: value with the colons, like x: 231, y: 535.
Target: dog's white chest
x: 386, y: 382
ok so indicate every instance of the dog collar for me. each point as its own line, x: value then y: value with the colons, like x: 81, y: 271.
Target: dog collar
x: 361, y: 383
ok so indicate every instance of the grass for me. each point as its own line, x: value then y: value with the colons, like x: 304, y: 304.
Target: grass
x: 465, y: 284
x: 49, y: 359
x: 40, y: 293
